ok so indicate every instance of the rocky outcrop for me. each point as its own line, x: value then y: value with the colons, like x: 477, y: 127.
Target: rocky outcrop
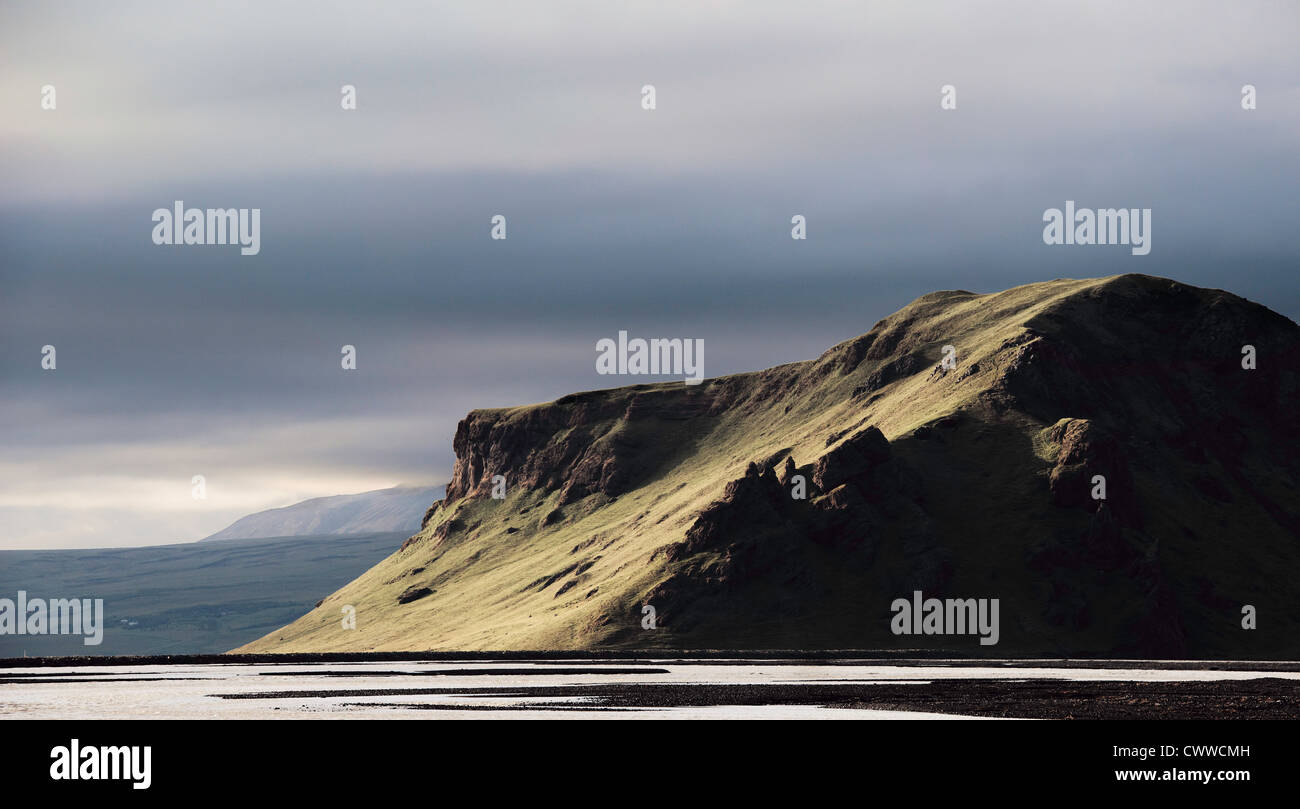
x: 852, y: 499
x: 579, y: 445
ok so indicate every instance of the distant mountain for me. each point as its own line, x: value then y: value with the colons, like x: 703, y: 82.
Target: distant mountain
x: 400, y: 508
x: 1102, y: 456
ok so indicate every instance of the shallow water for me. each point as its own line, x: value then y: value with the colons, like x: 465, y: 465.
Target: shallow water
x: 354, y: 690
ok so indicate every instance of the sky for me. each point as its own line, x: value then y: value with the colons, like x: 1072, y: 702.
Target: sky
x: 176, y: 361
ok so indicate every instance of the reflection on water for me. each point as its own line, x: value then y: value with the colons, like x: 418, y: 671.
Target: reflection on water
x: 475, y: 689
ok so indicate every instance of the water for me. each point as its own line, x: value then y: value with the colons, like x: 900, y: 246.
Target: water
x: 350, y: 690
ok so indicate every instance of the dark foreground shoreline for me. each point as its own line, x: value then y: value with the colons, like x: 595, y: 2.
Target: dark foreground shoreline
x: 1263, y: 698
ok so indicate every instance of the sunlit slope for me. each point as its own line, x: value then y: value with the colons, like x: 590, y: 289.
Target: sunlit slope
x: 973, y: 481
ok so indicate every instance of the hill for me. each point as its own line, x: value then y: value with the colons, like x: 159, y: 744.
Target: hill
x: 400, y: 508
x: 971, y: 481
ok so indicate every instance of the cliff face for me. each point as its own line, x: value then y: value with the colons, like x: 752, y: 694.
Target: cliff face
x: 788, y: 508
x: 580, y: 445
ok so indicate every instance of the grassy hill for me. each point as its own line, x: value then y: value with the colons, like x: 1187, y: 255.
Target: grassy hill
x: 972, y: 481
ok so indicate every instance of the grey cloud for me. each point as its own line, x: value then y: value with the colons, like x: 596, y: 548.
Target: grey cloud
x: 672, y: 223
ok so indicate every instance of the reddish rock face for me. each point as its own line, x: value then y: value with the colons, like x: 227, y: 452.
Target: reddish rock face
x: 568, y: 447
x: 580, y: 444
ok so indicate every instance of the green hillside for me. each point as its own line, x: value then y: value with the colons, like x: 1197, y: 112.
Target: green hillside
x: 972, y: 481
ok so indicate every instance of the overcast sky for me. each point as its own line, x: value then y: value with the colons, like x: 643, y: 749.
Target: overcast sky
x: 673, y: 222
